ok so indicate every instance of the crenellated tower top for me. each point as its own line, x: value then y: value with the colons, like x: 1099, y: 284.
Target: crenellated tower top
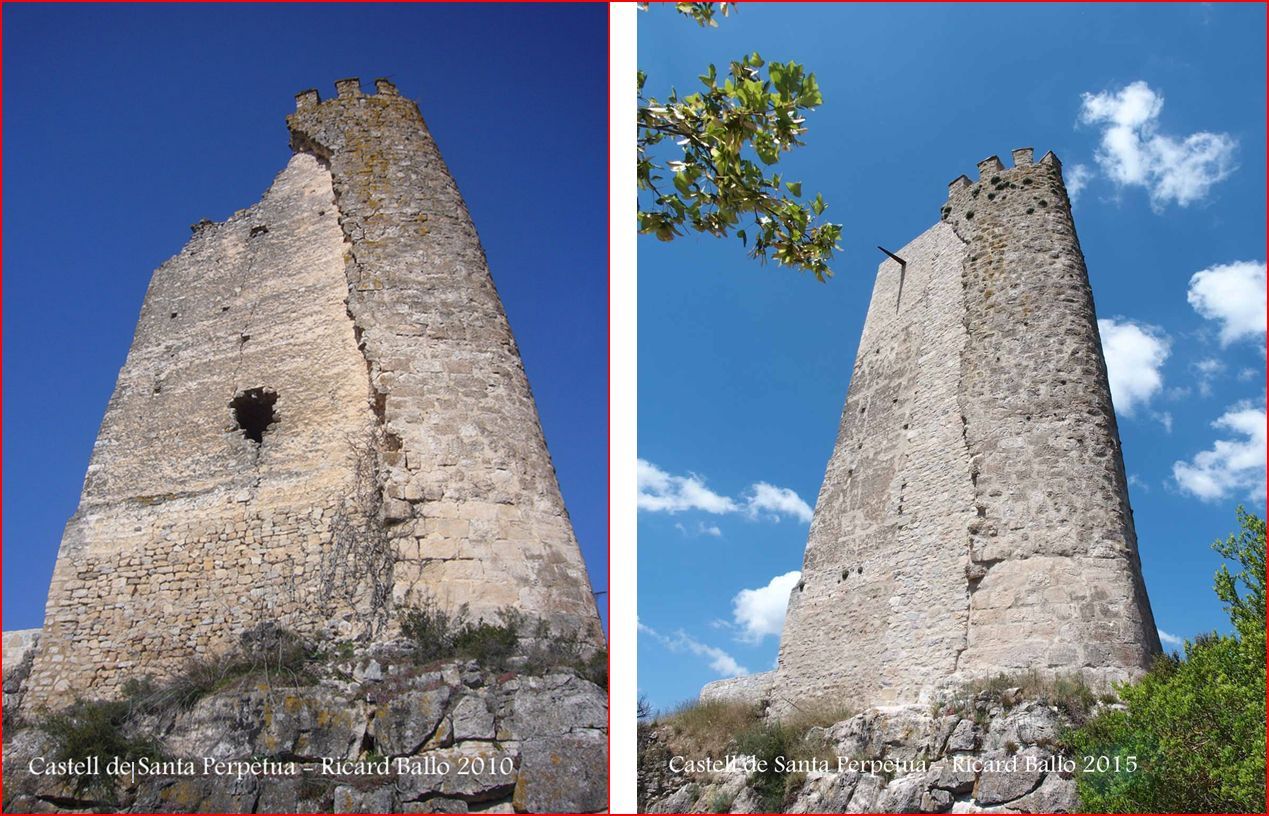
x: 349, y: 88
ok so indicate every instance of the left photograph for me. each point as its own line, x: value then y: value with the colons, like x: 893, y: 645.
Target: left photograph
x: 302, y: 514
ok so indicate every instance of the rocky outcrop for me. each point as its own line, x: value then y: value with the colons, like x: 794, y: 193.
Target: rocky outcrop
x: 374, y: 734
x: 986, y: 755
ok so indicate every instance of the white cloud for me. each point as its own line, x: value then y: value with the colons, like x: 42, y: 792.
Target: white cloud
x: 701, y: 529
x: 777, y: 501
x: 1164, y: 418
x: 1134, y: 153
x: 1207, y: 369
x: 721, y: 662
x: 661, y: 492
x: 1234, y: 466
x: 760, y: 612
x: 1077, y: 178
x: 1135, y: 353
x: 1137, y: 482
x: 1233, y: 295
x: 1170, y: 639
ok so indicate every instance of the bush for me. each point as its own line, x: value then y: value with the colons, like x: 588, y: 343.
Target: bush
x: 789, y: 739
x: 93, y: 728
x: 1194, y: 726
x: 768, y: 742
x: 439, y: 635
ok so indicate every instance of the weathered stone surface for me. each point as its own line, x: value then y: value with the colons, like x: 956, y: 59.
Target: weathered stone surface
x: 1056, y: 794
x: 472, y: 719
x: 351, y: 799
x: 974, y: 518
x: 554, y: 706
x: 996, y: 787
x: 964, y: 737
x: 475, y: 771
x: 950, y: 776
x: 409, y: 719
x: 554, y: 773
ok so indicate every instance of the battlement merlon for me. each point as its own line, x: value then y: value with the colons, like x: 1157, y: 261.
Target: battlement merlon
x: 991, y: 166
x: 349, y: 88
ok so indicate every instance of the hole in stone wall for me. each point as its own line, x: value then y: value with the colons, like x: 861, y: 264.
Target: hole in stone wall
x: 253, y: 411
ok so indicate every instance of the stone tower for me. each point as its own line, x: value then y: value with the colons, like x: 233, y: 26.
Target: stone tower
x: 974, y: 517
x: 323, y: 413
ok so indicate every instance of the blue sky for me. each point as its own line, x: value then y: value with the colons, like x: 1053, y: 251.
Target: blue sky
x: 743, y: 369
x: 123, y: 125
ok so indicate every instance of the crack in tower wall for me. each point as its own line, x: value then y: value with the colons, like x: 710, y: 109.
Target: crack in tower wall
x: 1015, y: 548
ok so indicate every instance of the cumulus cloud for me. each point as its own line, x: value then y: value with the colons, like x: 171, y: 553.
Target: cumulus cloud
x: 662, y: 492
x: 1077, y: 178
x: 778, y: 501
x: 760, y: 612
x: 1233, y: 466
x: 1134, y: 153
x: 1135, y: 353
x: 683, y: 643
x: 1170, y: 639
x: 1234, y: 296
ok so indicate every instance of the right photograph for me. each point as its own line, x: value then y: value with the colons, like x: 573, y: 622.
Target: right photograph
x: 952, y: 433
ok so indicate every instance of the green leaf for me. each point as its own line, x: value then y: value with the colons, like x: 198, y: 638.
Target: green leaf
x: 795, y: 187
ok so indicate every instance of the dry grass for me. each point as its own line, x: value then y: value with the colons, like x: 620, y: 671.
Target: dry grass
x: 1069, y: 694
x: 703, y: 729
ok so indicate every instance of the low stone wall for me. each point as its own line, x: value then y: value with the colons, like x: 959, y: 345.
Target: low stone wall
x: 748, y: 688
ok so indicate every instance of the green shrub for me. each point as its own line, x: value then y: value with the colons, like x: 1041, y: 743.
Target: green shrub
x: 1194, y: 726
x: 440, y: 635
x: 720, y: 802
x: 768, y: 742
x: 94, y: 728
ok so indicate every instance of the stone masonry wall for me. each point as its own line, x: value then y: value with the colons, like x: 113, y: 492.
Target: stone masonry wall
x: 477, y: 512
x: 187, y: 532
x: 881, y: 609
x: 357, y: 293
x: 974, y: 517
x: 1055, y: 578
